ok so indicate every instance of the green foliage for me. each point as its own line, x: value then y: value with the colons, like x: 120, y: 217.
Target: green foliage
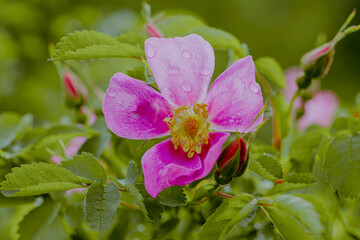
x: 230, y: 213
x: 86, y: 166
x: 294, y: 181
x: 40, y: 178
x: 131, y: 173
x: 266, y: 166
x: 100, y: 206
x: 150, y: 207
x: 38, y: 220
x: 272, y: 70
x: 177, y: 25
x: 96, y: 144
x: 173, y: 196
x: 219, y: 39
x: 286, y: 224
x: 12, y: 126
x: 93, y: 45
x: 342, y: 165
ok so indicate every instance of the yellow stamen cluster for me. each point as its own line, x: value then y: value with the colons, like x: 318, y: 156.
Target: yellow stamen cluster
x: 189, y: 128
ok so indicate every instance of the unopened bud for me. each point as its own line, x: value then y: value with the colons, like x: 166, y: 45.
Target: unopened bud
x: 153, y: 31
x: 317, y: 62
x: 231, y: 162
x: 76, y: 92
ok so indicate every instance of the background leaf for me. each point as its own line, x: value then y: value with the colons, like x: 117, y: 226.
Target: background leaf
x: 40, y: 178
x: 86, y: 166
x: 266, y: 166
x: 173, y: 196
x: 272, y: 70
x: 37, y: 220
x: 93, y: 45
x: 100, y: 205
x: 342, y: 165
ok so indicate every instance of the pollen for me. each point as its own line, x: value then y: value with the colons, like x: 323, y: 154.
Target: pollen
x: 189, y: 128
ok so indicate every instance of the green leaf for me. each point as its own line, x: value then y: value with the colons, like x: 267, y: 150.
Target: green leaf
x: 96, y: 144
x: 150, y: 206
x: 131, y: 173
x: 306, y: 147
x: 230, y: 212
x: 266, y: 166
x: 205, y: 188
x: 345, y: 123
x: 39, y: 178
x: 12, y: 126
x: 342, y: 165
x: 178, y: 25
x: 132, y: 38
x: 137, y: 72
x: 38, y: 220
x: 93, y: 45
x: 287, y: 225
x: 86, y: 166
x: 173, y: 196
x: 304, y: 212
x: 9, y: 202
x: 293, y: 181
x: 272, y: 70
x: 54, y: 231
x: 218, y: 39
x: 100, y: 205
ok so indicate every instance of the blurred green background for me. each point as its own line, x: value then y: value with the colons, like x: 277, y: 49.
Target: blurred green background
x: 284, y: 29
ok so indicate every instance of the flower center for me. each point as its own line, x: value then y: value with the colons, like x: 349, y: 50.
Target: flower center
x: 189, y: 128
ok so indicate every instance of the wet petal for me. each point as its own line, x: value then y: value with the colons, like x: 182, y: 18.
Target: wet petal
x: 135, y: 110
x: 319, y: 110
x: 182, y: 67
x: 163, y: 166
x: 235, y: 98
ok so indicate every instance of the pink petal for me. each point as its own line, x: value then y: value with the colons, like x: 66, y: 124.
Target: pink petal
x: 182, y: 67
x: 135, y: 110
x: 235, y: 98
x: 163, y: 166
x: 319, y: 110
x: 291, y: 86
x: 73, y: 146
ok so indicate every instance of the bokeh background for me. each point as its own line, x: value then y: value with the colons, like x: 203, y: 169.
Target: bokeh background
x: 283, y: 29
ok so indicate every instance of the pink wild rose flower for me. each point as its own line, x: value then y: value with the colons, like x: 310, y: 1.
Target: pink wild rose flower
x: 319, y: 110
x: 198, y: 120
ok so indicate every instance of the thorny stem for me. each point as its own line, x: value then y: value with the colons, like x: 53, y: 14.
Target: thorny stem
x: 223, y: 195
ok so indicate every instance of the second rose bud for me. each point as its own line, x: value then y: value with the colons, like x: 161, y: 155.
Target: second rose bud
x: 233, y: 161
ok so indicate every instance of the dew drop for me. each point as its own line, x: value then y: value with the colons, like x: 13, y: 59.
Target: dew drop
x: 111, y: 92
x: 234, y: 102
x: 134, y: 115
x: 186, y: 54
x: 186, y: 87
x: 254, y: 88
x: 172, y: 70
x: 150, y: 51
x: 205, y: 71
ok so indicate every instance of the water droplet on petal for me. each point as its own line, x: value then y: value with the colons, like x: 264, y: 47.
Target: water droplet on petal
x: 172, y: 70
x: 254, y: 88
x: 233, y: 102
x: 150, y: 51
x: 111, y: 92
x: 205, y: 71
x: 186, y: 87
x: 186, y: 54
x: 134, y: 115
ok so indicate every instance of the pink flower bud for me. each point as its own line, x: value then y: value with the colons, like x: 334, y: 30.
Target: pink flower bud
x: 317, y: 62
x: 231, y: 161
x: 76, y: 92
x: 153, y: 31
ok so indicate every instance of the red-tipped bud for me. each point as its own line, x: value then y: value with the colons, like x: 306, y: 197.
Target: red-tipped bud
x: 76, y: 92
x: 232, y: 161
x: 317, y: 62
x: 153, y: 31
